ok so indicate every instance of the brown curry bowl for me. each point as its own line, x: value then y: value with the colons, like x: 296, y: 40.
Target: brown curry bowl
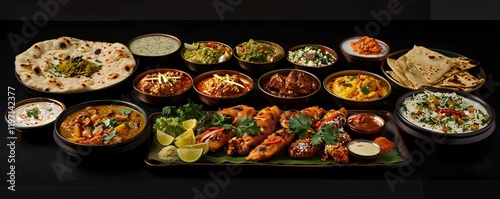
x: 288, y: 102
x: 149, y: 58
x: 259, y: 67
x: 78, y: 149
x: 221, y: 101
x: 163, y: 99
x: 201, y: 67
x: 352, y: 103
x: 365, y: 125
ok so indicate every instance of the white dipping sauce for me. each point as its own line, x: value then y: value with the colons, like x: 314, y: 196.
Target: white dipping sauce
x: 48, y: 113
x: 363, y: 148
x: 154, y: 45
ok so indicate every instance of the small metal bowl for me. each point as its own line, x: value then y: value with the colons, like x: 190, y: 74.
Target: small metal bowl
x: 150, y: 57
x: 200, y: 67
x: 363, y: 149
x: 360, y: 128
x: 162, y: 99
x: 259, y: 67
x: 49, y: 108
x: 317, y: 70
x: 290, y: 102
x: 359, y: 59
x: 221, y: 101
x: 350, y: 103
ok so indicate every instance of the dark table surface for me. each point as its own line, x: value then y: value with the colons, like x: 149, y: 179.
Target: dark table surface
x: 438, y: 170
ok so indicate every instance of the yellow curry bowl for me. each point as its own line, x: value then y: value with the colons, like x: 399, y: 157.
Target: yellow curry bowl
x: 357, y: 89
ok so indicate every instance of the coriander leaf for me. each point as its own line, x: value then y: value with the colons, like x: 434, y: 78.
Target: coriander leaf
x: 364, y: 90
x: 168, y: 110
x: 347, y: 84
x: 330, y: 134
x: 125, y: 111
x: 108, y: 122
x: 316, y: 138
x: 300, y: 125
x: 33, y: 113
x: 246, y: 125
x: 110, y: 136
x: 353, y: 78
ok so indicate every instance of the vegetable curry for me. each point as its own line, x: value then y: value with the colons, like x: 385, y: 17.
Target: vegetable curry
x: 102, y: 125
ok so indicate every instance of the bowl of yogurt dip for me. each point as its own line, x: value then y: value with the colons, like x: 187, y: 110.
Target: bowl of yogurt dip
x: 33, y: 113
x: 154, y: 47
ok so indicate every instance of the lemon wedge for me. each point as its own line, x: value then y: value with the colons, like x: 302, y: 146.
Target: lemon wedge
x: 163, y: 138
x: 189, y: 155
x: 189, y: 132
x: 190, y: 124
x: 182, y: 142
x: 203, y: 145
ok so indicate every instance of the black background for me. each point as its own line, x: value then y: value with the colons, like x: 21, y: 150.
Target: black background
x: 468, y: 170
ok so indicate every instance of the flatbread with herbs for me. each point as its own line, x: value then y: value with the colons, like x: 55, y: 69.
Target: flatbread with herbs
x: 69, y: 65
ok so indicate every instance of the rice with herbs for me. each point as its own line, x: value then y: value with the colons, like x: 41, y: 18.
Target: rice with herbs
x: 444, y: 112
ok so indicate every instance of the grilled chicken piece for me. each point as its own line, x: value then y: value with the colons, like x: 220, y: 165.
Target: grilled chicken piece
x: 217, y: 138
x: 302, y: 149
x: 273, y: 144
x: 314, y: 114
x: 267, y: 119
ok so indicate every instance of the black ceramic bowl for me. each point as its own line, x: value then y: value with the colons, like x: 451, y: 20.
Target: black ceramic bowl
x: 201, y: 67
x: 219, y: 100
x: 351, y: 103
x: 163, y: 99
x: 259, y: 67
x: 360, y: 59
x: 289, y: 102
x: 317, y: 70
x: 477, y: 71
x: 147, y: 47
x: 83, y: 150
x: 438, y: 136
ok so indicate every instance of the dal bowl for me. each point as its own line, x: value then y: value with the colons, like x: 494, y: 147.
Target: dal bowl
x: 155, y: 47
x: 222, y: 87
x: 101, y: 128
x: 269, y: 89
x: 257, y: 56
x: 204, y: 56
x: 350, y: 89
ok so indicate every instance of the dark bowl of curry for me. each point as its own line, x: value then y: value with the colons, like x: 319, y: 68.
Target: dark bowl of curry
x: 292, y: 88
x: 162, y: 86
x: 222, y: 87
x: 101, y: 128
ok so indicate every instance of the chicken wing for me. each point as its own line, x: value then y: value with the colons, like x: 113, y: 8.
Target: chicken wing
x: 218, y: 137
x: 273, y: 144
x: 267, y: 120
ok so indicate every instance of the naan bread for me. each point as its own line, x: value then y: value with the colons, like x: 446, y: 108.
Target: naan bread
x: 36, y: 66
x: 431, y: 64
x: 409, y: 70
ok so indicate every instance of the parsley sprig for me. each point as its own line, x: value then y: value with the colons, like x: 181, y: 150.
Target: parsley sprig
x: 302, y: 125
x: 33, y: 113
x: 244, y: 125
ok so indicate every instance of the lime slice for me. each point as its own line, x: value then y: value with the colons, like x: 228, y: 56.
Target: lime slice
x: 189, y: 155
x: 163, y: 138
x: 182, y: 142
x: 203, y: 145
x: 186, y: 133
x: 190, y: 124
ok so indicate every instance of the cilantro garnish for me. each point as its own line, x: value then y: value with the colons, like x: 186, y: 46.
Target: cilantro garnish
x: 125, y: 111
x: 365, y: 89
x: 302, y: 125
x: 33, y: 113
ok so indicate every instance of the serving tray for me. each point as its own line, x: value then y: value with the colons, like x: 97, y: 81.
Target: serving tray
x: 399, y: 156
